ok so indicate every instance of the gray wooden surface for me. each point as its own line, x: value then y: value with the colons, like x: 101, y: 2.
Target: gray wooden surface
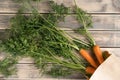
x: 106, y: 30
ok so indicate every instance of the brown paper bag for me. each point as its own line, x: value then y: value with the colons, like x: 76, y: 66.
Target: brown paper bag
x: 108, y: 70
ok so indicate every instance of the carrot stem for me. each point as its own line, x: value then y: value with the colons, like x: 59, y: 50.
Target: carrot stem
x: 88, y: 57
x: 98, y: 54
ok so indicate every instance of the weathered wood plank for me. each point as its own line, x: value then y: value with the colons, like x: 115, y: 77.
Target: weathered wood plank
x: 114, y: 51
x: 102, y: 38
x: 31, y: 72
x: 38, y: 79
x: 9, y: 6
x: 93, y: 6
x: 30, y: 61
x: 100, y: 22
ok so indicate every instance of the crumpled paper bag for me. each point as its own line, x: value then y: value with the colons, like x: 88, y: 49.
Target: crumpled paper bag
x: 108, y: 70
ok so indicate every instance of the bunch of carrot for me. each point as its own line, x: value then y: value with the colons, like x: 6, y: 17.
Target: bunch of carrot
x: 94, y: 63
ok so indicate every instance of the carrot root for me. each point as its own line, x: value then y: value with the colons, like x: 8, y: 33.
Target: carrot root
x: 98, y: 54
x: 90, y: 70
x: 88, y: 57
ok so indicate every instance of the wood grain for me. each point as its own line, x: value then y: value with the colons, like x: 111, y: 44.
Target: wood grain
x: 100, y: 22
x: 92, y: 6
x: 102, y: 38
x: 29, y: 71
x: 9, y: 6
x: 30, y: 61
x: 37, y: 79
x: 110, y: 38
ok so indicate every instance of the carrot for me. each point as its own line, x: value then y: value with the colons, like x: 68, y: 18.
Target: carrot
x: 90, y: 70
x: 106, y: 54
x: 87, y: 56
x: 98, y: 53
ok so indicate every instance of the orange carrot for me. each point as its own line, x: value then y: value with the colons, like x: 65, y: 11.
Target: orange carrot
x: 98, y: 53
x: 87, y: 56
x: 90, y: 70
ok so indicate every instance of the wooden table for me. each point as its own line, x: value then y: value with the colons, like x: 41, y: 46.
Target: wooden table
x: 106, y: 30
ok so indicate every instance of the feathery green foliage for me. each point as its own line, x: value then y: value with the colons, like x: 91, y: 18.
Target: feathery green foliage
x: 38, y: 36
x: 86, y: 22
x: 6, y: 66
